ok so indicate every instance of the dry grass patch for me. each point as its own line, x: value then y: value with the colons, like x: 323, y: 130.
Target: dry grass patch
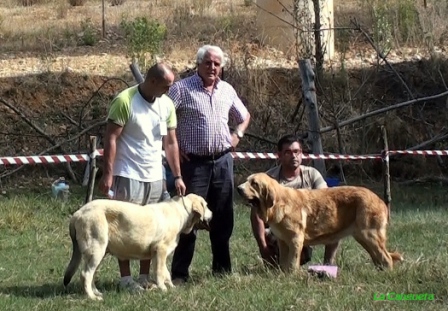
x: 55, y: 20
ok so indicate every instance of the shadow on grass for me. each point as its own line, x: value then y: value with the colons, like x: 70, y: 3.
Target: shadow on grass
x: 49, y: 290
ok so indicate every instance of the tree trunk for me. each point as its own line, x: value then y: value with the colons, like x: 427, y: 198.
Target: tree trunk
x: 309, y: 96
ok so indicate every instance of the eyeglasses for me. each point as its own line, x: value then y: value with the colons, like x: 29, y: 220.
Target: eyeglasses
x: 291, y: 152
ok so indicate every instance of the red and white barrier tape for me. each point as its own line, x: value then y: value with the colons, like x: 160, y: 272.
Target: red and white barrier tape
x: 420, y: 152
x: 47, y: 159
x: 50, y: 159
x: 261, y: 155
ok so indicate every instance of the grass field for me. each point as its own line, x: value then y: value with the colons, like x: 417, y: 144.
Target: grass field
x: 35, y: 249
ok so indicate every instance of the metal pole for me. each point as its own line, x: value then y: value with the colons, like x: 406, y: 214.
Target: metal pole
x: 104, y: 19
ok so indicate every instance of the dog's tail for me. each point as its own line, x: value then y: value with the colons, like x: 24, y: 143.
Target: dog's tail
x: 76, y: 256
x: 396, y: 257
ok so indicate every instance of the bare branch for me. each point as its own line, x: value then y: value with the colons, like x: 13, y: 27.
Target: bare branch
x: 384, y: 58
x: 382, y: 110
x: 431, y: 141
x: 82, y: 115
x: 285, y: 8
x: 381, y: 55
x: 425, y: 180
x: 72, y: 121
x: 331, y: 28
x: 443, y: 79
x: 58, y: 145
x: 281, y: 19
x: 41, y: 132
x: 28, y: 121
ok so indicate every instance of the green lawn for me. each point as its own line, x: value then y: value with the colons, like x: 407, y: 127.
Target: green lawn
x: 35, y: 248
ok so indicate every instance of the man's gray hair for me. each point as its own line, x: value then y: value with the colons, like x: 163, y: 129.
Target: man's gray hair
x: 206, y: 48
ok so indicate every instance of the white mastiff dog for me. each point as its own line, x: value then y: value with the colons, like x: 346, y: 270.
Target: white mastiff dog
x: 133, y: 232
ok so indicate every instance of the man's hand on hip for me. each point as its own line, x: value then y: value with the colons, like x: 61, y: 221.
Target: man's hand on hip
x: 235, y: 141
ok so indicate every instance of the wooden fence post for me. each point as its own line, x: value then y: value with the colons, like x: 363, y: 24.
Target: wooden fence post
x: 93, y: 169
x: 386, y: 173
x: 85, y: 180
x: 103, y: 18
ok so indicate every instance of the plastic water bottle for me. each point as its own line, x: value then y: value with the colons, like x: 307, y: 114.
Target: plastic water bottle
x: 60, y: 189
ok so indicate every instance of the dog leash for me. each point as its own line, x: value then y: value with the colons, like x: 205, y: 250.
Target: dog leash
x: 183, y: 202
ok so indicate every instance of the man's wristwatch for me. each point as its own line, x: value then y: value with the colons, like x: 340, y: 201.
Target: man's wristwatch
x: 177, y: 177
x: 239, y: 134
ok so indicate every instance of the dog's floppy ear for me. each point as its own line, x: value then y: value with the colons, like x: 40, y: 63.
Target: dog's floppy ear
x: 269, y: 197
x: 268, y: 192
x: 198, y: 207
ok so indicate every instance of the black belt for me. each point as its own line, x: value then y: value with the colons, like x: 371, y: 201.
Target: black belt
x: 210, y: 157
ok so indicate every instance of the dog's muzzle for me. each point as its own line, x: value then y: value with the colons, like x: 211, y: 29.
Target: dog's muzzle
x: 240, y: 190
x: 253, y: 202
x: 203, y: 225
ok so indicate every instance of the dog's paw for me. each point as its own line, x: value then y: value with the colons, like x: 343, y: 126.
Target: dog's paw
x: 97, y: 293
x: 163, y: 287
x: 96, y: 298
x: 153, y: 286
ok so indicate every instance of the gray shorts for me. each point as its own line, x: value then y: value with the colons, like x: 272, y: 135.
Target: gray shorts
x: 131, y: 190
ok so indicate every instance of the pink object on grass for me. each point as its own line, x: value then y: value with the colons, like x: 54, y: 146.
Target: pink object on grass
x: 331, y: 271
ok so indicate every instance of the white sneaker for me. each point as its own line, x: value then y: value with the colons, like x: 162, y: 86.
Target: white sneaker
x: 166, y: 196
x: 131, y: 286
x: 145, y: 283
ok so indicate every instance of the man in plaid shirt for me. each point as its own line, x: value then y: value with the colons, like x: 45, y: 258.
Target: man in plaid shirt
x: 204, y: 105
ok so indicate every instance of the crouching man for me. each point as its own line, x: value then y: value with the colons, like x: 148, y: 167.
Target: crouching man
x: 290, y: 173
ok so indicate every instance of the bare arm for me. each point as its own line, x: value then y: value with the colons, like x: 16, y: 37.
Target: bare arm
x: 258, y: 229
x: 113, y: 131
x: 241, y: 127
x: 172, y: 151
x: 172, y: 156
x: 241, y: 116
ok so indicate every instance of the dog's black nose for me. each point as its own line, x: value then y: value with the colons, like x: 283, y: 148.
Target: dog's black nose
x: 240, y: 189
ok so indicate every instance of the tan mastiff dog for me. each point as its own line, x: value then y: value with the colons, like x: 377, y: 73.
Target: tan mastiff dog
x: 130, y: 231
x: 300, y: 217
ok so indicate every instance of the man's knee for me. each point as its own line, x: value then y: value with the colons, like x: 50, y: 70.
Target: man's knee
x: 221, y: 231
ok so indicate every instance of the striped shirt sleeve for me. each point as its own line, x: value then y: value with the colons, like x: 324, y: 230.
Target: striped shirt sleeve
x: 238, y: 112
x: 174, y: 94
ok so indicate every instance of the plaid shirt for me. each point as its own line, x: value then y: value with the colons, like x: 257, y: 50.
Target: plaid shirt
x: 202, y: 117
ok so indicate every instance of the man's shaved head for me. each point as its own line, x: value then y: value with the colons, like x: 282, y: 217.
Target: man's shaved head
x: 159, y: 79
x: 159, y: 71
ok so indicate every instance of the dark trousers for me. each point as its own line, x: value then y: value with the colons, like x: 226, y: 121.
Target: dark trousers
x: 213, y: 180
